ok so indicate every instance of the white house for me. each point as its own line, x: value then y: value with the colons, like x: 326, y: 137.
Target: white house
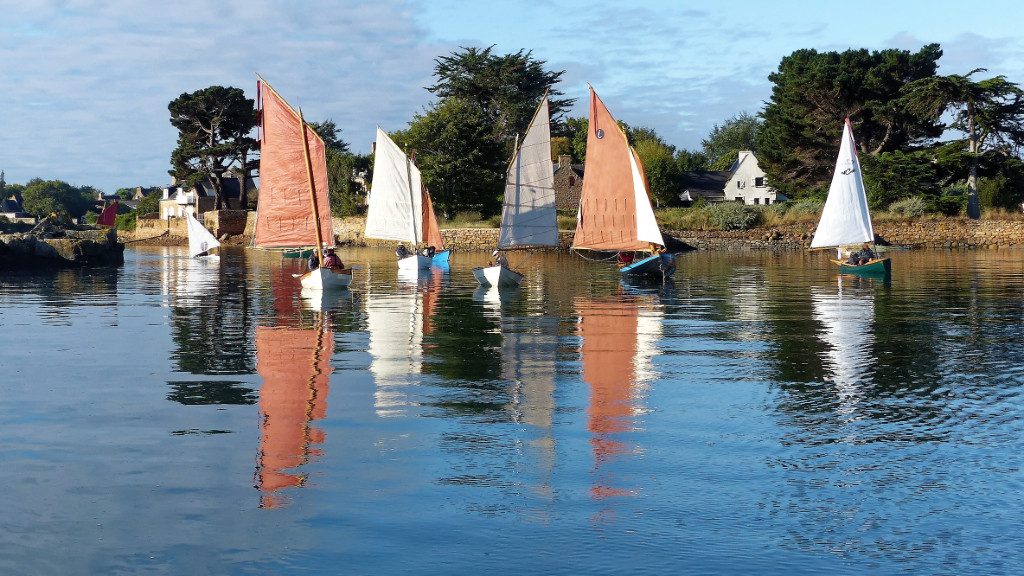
x: 747, y: 183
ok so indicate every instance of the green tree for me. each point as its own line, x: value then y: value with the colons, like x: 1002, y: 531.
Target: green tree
x: 463, y: 166
x: 990, y: 112
x: 150, y: 204
x: 812, y: 95
x: 491, y: 98
x: 214, y: 126
x: 726, y: 140
x: 504, y: 89
x: 664, y: 179
x: 40, y: 198
x: 692, y: 161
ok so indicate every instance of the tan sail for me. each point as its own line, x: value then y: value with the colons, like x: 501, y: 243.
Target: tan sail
x: 293, y: 191
x: 615, y: 208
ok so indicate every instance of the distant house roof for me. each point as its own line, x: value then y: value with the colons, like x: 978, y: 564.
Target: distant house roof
x: 707, y: 184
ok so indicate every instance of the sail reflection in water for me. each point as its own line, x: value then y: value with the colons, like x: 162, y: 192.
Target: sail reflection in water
x: 846, y: 317
x: 529, y: 346
x: 294, y: 359
x: 397, y: 323
x: 618, y: 344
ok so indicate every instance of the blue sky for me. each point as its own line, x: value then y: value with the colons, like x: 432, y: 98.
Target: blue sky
x: 84, y: 85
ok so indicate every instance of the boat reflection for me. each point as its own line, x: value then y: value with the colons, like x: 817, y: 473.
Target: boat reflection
x: 619, y: 338
x: 294, y: 360
x: 846, y: 316
x: 529, y: 346
x: 396, y: 323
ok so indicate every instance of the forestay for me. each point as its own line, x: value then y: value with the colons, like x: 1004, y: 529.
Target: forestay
x: 845, y: 219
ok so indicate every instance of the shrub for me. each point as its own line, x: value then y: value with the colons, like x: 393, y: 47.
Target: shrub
x: 912, y: 207
x: 733, y: 216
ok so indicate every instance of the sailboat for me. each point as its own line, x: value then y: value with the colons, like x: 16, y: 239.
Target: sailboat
x: 294, y: 210
x: 400, y: 208
x: 200, y: 240
x: 615, y: 206
x: 107, y: 216
x: 845, y: 219
x: 528, y: 216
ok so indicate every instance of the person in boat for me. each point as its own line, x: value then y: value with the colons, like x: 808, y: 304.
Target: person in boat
x: 499, y: 259
x: 862, y: 256
x: 314, y: 261
x: 402, y: 251
x: 626, y: 258
x: 331, y: 260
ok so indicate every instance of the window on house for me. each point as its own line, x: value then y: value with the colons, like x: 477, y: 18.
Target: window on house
x: 739, y: 198
x: 572, y: 180
x: 767, y: 201
x: 759, y: 182
x: 740, y: 184
x: 757, y: 201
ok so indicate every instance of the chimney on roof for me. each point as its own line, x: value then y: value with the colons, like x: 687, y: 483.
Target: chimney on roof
x: 564, y: 160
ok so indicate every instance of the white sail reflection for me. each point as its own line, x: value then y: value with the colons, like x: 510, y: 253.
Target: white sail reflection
x: 396, y: 324
x: 846, y: 317
x: 528, y: 350
x: 187, y: 282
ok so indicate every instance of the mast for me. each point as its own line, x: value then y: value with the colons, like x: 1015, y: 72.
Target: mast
x: 412, y: 203
x: 312, y: 185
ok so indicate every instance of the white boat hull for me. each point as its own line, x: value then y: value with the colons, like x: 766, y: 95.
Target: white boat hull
x: 326, y: 279
x: 497, y: 276
x: 414, y: 262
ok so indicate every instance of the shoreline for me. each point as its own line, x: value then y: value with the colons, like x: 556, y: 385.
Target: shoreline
x: 950, y: 233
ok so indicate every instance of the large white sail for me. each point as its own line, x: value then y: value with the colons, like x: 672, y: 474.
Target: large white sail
x: 528, y: 216
x: 199, y: 238
x: 646, y: 225
x: 845, y: 219
x: 395, y: 210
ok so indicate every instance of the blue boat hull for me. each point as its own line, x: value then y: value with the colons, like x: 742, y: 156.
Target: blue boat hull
x: 441, y: 257
x: 656, y: 265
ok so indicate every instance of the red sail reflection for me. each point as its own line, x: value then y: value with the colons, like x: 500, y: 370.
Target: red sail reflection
x: 295, y: 365
x: 609, y: 332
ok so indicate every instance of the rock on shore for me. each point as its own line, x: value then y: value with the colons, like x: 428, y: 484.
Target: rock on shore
x: 56, y: 242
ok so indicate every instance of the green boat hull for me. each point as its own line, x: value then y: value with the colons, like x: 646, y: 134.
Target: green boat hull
x: 879, y: 267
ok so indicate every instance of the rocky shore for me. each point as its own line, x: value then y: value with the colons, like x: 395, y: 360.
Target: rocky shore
x: 57, y: 242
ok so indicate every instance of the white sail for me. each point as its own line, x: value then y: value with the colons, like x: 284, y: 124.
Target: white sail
x: 528, y: 215
x: 646, y: 225
x: 395, y: 210
x: 845, y: 219
x: 199, y: 238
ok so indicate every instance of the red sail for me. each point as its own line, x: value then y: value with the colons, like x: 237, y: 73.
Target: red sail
x: 107, y: 216
x: 285, y: 217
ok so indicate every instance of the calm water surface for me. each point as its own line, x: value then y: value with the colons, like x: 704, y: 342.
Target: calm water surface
x: 761, y: 414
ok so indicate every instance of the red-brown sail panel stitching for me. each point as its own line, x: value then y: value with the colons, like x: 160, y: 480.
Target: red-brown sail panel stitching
x: 285, y: 217
x: 607, y: 218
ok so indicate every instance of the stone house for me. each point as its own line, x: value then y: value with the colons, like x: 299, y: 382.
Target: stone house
x: 568, y: 184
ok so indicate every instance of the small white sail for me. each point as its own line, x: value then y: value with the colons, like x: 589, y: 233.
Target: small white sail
x: 528, y: 216
x: 199, y: 238
x: 845, y: 219
x: 395, y: 210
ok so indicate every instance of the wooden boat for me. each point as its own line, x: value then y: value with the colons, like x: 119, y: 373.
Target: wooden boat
x: 528, y: 216
x: 200, y: 240
x: 399, y: 207
x: 294, y: 211
x: 845, y: 219
x: 615, y: 206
